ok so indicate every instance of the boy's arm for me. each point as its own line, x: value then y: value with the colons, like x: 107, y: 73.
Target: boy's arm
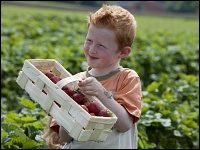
x: 125, y: 120
x: 92, y: 87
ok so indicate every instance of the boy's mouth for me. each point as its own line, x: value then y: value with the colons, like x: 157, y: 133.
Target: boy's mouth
x: 91, y: 57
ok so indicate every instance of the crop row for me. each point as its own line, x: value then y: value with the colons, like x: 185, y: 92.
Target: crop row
x: 165, y: 55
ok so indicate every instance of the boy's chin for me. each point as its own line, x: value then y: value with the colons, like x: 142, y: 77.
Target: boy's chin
x: 92, y: 65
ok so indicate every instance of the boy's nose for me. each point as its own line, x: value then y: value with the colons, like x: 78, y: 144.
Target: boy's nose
x: 93, y: 49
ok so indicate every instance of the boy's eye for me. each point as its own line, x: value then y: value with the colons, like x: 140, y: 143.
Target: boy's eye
x: 102, y: 45
x: 88, y: 40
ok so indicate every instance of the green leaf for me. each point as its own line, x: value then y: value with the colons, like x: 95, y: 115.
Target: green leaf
x: 10, y: 128
x: 19, y: 133
x: 184, y: 107
x: 27, y: 119
x: 32, y: 131
x: 27, y: 103
x: 19, y: 141
x: 153, y: 86
x: 145, y: 107
x: 30, y: 144
x: 177, y: 133
x: 165, y: 122
x: 190, y: 78
x: 5, y: 141
x: 24, y: 143
x: 12, y: 115
x: 169, y: 96
x: 36, y: 124
x: 3, y: 133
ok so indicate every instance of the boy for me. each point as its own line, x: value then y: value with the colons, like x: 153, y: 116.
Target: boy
x: 111, y: 32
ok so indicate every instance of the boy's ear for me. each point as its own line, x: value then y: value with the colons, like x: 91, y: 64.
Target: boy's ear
x: 125, y: 52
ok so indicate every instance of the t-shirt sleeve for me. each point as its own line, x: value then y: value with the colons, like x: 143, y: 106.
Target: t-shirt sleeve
x: 129, y: 95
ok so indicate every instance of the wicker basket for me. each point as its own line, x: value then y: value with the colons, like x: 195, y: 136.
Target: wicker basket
x: 77, y: 122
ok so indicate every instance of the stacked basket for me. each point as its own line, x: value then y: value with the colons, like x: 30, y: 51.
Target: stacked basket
x: 79, y: 124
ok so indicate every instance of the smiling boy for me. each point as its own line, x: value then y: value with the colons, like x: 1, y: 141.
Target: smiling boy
x: 111, y: 32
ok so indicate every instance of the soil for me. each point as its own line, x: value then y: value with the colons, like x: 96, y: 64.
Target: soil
x: 15, y: 3
x: 91, y: 9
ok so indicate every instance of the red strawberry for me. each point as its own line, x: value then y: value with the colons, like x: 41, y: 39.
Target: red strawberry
x: 55, y: 79
x: 84, y: 107
x: 94, y: 108
x: 49, y: 75
x: 65, y: 88
x: 85, y: 100
x: 104, y: 113
x: 70, y: 92
x: 86, y: 103
x: 78, y: 97
x: 92, y: 114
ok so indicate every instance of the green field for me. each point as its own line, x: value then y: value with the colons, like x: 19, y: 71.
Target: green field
x: 17, y: 10
x: 165, y: 54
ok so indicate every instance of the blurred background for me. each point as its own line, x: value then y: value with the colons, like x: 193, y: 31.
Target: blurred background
x: 172, y: 8
x: 165, y: 54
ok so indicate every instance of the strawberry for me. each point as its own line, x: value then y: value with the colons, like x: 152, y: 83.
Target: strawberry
x: 92, y: 114
x: 104, y: 113
x: 85, y: 100
x: 70, y: 92
x: 55, y: 79
x: 49, y: 75
x: 94, y: 107
x: 84, y: 107
x: 86, y: 103
x: 78, y: 97
x: 65, y: 88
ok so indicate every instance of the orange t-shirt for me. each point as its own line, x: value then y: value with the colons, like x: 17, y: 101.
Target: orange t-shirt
x: 125, y: 85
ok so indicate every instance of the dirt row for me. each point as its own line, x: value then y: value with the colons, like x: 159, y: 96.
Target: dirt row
x: 15, y: 3
x: 92, y: 9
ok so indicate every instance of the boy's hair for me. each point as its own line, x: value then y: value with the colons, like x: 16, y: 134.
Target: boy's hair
x: 117, y: 19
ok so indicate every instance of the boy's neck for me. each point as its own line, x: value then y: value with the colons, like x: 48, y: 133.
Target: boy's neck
x: 103, y: 71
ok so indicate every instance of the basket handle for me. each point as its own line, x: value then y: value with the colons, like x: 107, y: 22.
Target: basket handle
x: 68, y: 80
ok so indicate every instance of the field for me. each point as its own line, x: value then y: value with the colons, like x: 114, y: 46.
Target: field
x: 165, y: 54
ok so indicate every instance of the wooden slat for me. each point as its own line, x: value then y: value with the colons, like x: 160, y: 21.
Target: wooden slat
x: 85, y: 135
x: 22, y: 79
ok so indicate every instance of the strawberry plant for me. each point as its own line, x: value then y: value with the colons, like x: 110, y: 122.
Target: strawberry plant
x: 165, y: 54
x: 23, y: 130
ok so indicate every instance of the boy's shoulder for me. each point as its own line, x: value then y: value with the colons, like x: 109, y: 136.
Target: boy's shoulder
x: 123, y: 72
x: 129, y: 71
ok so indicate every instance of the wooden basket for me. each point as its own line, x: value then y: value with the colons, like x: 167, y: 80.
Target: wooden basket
x: 79, y: 124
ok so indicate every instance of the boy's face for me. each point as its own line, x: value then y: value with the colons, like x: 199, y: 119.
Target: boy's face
x: 101, y: 47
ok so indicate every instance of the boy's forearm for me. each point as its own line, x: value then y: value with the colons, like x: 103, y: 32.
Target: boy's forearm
x: 125, y: 120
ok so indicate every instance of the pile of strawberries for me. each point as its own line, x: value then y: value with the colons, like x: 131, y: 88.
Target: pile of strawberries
x: 92, y: 108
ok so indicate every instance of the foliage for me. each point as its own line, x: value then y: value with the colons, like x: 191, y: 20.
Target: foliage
x: 166, y: 59
x: 23, y: 130
x: 183, y: 6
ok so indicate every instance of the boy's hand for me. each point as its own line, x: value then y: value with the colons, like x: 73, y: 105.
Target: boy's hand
x: 91, y: 86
